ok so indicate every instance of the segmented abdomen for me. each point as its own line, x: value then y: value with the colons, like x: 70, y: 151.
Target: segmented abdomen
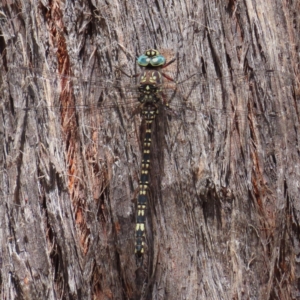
x: 150, y: 94
x: 142, y: 198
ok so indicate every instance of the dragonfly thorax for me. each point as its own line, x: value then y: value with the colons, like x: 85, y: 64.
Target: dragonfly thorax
x: 151, y: 77
x: 150, y: 87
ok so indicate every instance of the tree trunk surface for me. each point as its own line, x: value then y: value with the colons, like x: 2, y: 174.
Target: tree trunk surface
x: 223, y: 207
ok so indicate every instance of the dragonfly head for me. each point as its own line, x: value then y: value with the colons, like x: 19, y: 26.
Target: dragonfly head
x: 151, y: 58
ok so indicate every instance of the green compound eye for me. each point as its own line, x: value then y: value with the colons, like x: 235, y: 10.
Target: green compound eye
x: 157, y: 61
x: 151, y: 58
x: 143, y: 60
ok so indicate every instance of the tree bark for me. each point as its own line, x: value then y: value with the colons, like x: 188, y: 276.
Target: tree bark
x: 223, y: 213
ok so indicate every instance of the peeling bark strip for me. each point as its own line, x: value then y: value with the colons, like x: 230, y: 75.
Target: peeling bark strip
x: 223, y: 190
x: 68, y: 120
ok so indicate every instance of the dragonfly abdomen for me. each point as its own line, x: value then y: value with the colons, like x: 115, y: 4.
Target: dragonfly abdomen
x: 149, y: 112
x: 150, y: 94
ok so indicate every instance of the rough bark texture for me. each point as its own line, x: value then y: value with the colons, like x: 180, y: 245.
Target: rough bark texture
x: 224, y: 209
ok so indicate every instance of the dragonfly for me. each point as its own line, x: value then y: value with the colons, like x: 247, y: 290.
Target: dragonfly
x: 200, y: 99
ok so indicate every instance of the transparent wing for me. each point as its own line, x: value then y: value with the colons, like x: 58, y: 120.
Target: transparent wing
x: 94, y: 97
x: 129, y: 86
x: 197, y: 97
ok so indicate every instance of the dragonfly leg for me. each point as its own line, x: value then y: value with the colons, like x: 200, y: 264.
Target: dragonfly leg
x: 165, y: 99
x: 130, y: 76
x: 168, y: 63
x: 177, y: 83
x: 168, y: 77
x: 186, y: 79
x: 173, y: 80
x: 166, y: 102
